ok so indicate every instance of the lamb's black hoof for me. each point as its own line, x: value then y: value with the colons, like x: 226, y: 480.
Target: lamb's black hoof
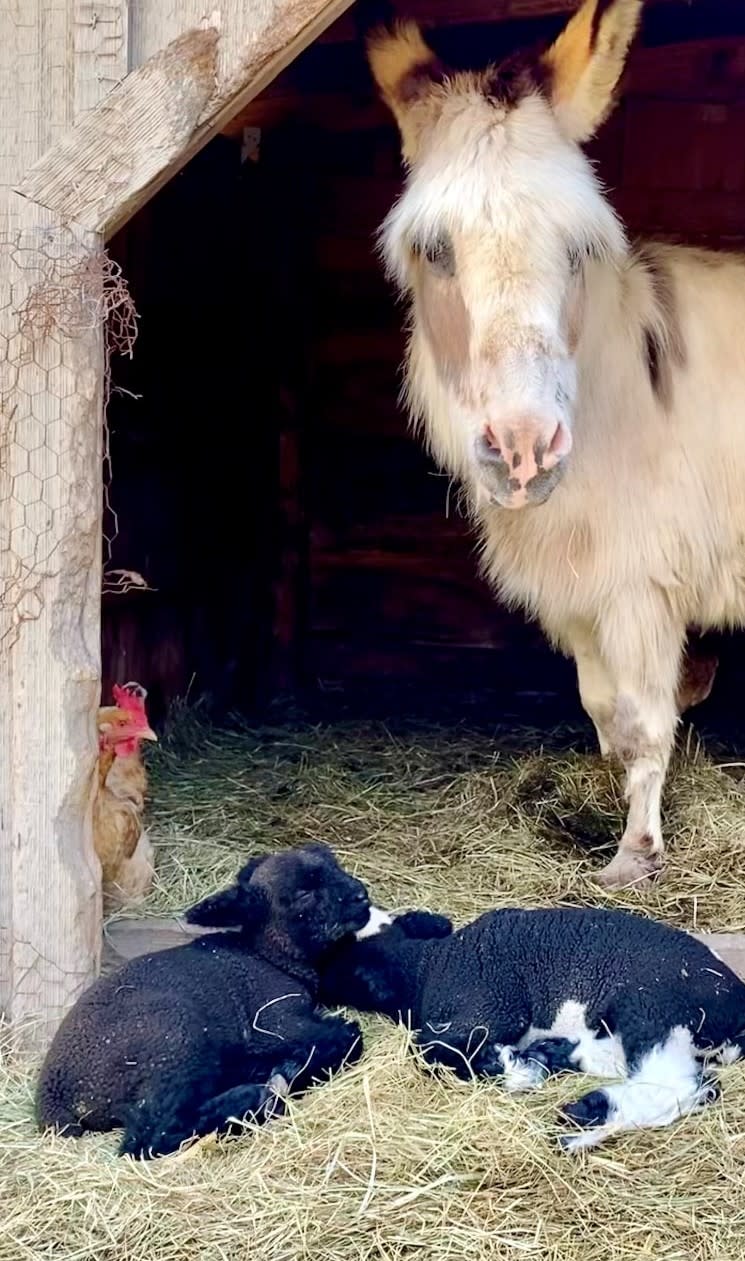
x: 229, y: 1111
x: 590, y: 1110
x: 553, y: 1053
x: 291, y: 1072
x: 489, y: 1062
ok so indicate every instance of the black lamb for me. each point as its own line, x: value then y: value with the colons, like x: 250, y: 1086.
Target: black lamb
x: 184, y: 1041
x: 520, y: 994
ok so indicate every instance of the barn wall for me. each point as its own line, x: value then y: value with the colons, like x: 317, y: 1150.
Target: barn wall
x: 191, y: 425
x: 368, y: 573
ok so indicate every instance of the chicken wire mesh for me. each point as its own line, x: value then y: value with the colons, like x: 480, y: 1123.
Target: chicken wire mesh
x: 60, y: 289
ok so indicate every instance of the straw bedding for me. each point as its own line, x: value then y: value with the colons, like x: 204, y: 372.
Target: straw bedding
x: 388, y: 1162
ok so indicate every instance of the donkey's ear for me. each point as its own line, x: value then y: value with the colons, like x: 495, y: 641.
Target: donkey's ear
x: 406, y: 71
x: 237, y: 907
x: 585, y: 63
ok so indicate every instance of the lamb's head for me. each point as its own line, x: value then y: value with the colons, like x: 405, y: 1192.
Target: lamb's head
x: 300, y: 901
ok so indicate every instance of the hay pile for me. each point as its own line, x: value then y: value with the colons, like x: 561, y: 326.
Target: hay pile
x: 388, y: 1162
x: 455, y: 821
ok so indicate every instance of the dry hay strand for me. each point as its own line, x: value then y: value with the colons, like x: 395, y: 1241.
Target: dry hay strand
x: 452, y: 820
x: 390, y: 1162
x: 386, y: 1162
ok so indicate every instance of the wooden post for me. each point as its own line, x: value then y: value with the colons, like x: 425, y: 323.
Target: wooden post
x: 54, y: 65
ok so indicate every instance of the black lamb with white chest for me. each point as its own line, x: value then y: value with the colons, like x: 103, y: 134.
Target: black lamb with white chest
x: 182, y: 1041
x: 521, y: 994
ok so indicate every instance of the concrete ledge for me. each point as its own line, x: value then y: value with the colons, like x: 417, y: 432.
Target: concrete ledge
x: 730, y: 947
x: 125, y: 939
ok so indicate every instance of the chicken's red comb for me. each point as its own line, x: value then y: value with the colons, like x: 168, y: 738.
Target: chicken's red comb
x: 130, y: 696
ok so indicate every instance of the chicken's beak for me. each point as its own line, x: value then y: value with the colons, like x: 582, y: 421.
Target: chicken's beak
x: 148, y: 734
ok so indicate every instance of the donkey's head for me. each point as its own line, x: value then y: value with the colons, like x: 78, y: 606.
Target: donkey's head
x: 491, y: 238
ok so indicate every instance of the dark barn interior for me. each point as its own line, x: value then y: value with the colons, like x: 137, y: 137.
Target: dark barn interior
x: 297, y: 542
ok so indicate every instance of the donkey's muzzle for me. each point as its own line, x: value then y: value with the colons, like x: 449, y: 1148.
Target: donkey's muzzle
x: 520, y: 464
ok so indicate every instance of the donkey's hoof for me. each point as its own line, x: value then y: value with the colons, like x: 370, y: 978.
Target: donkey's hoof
x: 629, y: 868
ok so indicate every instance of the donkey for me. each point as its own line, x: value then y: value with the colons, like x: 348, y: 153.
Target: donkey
x: 589, y: 396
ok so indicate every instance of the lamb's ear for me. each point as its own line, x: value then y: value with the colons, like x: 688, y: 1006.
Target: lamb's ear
x: 218, y: 911
x: 237, y: 907
x: 423, y: 925
x: 248, y: 869
x: 318, y: 849
x: 406, y: 71
x: 583, y: 66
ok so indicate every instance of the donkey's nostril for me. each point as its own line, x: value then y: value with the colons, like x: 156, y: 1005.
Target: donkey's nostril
x: 492, y: 440
x: 561, y: 442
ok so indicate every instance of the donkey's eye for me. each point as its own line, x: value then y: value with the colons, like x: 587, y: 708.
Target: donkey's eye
x: 581, y: 253
x: 438, y: 252
x: 577, y: 256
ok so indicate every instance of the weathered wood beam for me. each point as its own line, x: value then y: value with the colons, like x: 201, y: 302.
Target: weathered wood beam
x: 114, y: 160
x: 51, y: 386
x: 96, y: 175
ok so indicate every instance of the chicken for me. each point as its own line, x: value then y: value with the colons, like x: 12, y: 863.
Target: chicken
x: 123, y: 849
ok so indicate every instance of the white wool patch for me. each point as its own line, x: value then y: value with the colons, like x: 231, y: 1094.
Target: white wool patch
x: 666, y: 1085
x: 378, y: 920
x: 520, y: 1074
x: 598, y: 1054
x: 729, y: 1053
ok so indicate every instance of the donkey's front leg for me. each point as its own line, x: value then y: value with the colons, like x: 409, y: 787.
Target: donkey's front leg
x: 646, y: 758
x: 596, y: 685
x: 645, y: 660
